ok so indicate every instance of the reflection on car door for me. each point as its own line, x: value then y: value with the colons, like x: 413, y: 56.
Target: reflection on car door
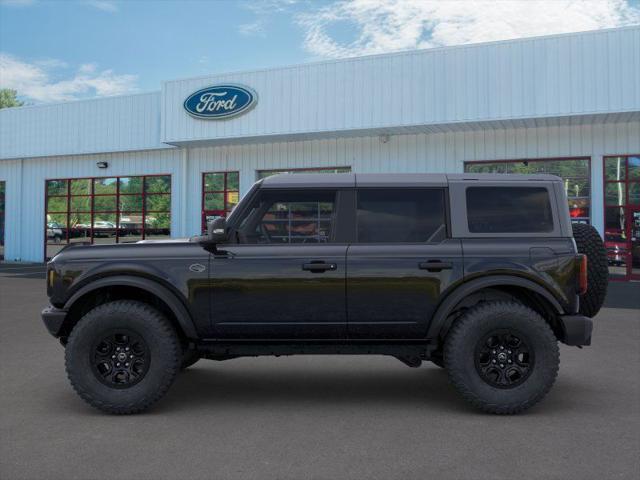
x: 401, y: 262
x: 285, y: 278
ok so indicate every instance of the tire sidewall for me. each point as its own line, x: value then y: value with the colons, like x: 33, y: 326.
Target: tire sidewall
x: 540, y: 339
x: 97, y: 324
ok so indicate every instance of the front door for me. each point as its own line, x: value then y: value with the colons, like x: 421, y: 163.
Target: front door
x: 285, y: 278
x: 401, y: 263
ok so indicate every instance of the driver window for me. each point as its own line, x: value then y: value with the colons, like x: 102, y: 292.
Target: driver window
x: 290, y: 217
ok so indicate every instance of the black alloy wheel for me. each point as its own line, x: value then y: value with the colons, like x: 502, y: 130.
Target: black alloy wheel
x: 120, y: 359
x: 504, y: 359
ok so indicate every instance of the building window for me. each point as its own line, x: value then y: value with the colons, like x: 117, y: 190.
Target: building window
x: 575, y: 173
x: 2, y: 210
x: 220, y: 194
x: 268, y: 173
x: 622, y: 215
x: 106, y: 210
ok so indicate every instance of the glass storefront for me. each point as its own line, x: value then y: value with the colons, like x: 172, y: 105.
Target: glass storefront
x: 575, y: 172
x: 220, y: 194
x: 268, y: 173
x: 2, y: 210
x: 106, y: 210
x: 622, y: 215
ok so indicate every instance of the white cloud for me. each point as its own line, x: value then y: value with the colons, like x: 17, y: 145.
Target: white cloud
x: 269, y: 6
x: 252, y: 29
x: 104, y: 5
x: 51, y: 63
x: 87, y: 68
x: 36, y: 81
x: 388, y: 25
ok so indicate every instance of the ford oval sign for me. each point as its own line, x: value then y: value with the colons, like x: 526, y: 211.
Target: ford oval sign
x: 220, y: 101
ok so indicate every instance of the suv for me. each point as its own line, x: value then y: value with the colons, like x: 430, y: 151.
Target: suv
x: 479, y: 274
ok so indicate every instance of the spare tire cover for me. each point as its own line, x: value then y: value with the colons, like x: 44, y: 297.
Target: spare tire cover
x: 590, y: 244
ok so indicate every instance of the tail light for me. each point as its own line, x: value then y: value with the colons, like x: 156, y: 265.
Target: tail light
x: 582, y: 274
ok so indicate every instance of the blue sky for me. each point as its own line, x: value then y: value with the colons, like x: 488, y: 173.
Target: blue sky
x: 63, y: 50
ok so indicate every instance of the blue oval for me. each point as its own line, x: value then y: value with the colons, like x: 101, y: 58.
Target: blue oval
x: 220, y: 101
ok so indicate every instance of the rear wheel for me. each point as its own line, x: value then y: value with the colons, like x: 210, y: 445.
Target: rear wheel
x: 590, y: 244
x: 122, y: 357
x: 502, y: 357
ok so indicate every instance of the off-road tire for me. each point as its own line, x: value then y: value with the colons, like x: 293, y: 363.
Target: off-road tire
x: 189, y: 357
x: 165, y: 356
x: 460, y: 356
x: 590, y: 244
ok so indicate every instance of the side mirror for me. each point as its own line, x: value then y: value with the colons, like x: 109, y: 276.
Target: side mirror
x: 217, y: 230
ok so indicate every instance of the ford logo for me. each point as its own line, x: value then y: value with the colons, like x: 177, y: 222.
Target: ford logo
x: 220, y: 101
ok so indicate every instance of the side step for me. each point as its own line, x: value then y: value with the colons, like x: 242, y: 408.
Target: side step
x: 410, y: 352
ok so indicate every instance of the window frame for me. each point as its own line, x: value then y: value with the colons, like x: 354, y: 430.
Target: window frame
x: 627, y: 209
x: 92, y: 210
x: 445, y: 203
x: 225, y: 212
x: 342, y: 219
x: 589, y: 218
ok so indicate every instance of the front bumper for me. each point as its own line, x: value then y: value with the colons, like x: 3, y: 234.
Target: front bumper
x: 53, y: 319
x: 576, y: 330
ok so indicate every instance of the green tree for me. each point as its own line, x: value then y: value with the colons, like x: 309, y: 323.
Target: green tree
x: 8, y: 98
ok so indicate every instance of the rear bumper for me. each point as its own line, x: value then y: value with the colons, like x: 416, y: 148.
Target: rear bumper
x: 53, y: 319
x: 576, y: 330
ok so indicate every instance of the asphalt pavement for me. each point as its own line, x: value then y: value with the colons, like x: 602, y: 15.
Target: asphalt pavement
x: 316, y: 417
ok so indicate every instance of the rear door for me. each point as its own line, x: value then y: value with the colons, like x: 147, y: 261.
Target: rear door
x: 402, y: 261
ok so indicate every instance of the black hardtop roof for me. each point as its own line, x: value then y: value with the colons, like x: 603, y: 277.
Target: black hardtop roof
x: 346, y: 180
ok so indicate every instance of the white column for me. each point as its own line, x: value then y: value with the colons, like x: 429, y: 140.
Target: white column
x: 184, y: 193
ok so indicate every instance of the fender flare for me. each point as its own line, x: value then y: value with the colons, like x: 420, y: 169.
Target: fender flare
x: 168, y: 297
x: 440, y: 323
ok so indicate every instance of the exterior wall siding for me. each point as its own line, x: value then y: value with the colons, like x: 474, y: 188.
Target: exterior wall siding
x: 547, y: 77
x: 89, y: 126
x: 428, y: 153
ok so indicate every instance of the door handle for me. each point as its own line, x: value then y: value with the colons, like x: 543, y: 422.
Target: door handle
x: 435, y: 266
x: 318, y: 267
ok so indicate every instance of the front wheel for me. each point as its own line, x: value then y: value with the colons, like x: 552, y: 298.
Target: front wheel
x: 502, y: 357
x: 122, y: 356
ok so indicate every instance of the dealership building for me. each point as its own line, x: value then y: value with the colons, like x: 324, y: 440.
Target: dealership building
x: 153, y: 165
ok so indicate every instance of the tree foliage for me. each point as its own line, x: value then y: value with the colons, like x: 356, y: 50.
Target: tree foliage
x: 8, y: 98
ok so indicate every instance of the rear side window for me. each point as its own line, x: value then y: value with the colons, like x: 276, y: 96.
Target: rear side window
x: 401, y: 215
x: 509, y: 210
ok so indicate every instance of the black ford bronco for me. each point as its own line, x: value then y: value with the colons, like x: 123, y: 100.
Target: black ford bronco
x: 480, y: 274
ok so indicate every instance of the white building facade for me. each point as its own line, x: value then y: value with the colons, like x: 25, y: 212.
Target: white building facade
x: 142, y: 166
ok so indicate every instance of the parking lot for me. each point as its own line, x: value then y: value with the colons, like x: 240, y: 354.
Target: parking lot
x: 320, y: 417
